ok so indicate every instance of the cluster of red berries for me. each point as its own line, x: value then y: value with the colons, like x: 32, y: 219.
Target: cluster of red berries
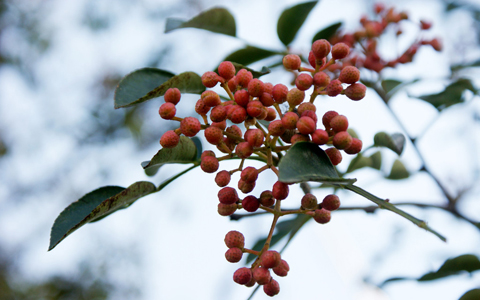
x: 372, y: 29
x: 288, y: 118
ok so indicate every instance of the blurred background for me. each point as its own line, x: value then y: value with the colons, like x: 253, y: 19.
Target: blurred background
x: 60, y: 137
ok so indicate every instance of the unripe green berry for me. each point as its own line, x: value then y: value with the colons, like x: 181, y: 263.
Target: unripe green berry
x: 172, y: 95
x: 291, y: 62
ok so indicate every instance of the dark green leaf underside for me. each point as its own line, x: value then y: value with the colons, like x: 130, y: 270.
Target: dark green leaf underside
x: 96, y: 205
x: 249, y: 54
x: 185, y: 152
x: 328, y: 32
x: 148, y: 83
x: 394, y: 142
x: 218, y: 20
x: 398, y: 171
x: 389, y: 84
x: 471, y: 295
x: 291, y: 20
x: 453, y: 94
x: 306, y: 161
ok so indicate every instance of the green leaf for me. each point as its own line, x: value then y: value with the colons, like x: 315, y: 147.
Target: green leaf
x: 389, y: 84
x: 250, y: 54
x: 471, y: 295
x: 398, y: 171
x: 305, y: 161
x: 376, y: 160
x: 148, y: 83
x: 453, y: 94
x: 198, y: 145
x: 328, y: 32
x: 256, y: 74
x: 218, y: 20
x: 359, y: 162
x: 184, y: 153
x: 352, y: 133
x: 394, y: 142
x: 96, y: 205
x: 292, y: 19
x: 385, y: 204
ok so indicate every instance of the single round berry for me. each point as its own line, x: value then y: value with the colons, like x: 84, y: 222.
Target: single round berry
x: 234, y: 239
x: 298, y: 137
x: 214, y: 135
x: 210, y: 79
x: 266, y: 198
x: 169, y: 139
x: 272, y: 288
x: 271, y: 114
x: 243, y: 77
x: 295, y: 97
x: 201, y: 108
x: 349, y: 75
x: 227, y: 195
x: 320, y: 137
x: 242, y: 97
x: 222, y: 178
x: 237, y: 114
x: 327, y: 117
x: 321, y: 48
x: 340, y: 50
x: 279, y: 93
x: 322, y: 216
x: 312, y: 60
x: 226, y: 209
x: 226, y: 69
x: 321, y: 79
x: 249, y: 174
x: 234, y: 255
x: 172, y: 95
x: 270, y: 259
x: 356, y: 91
x: 306, y: 125
x: 218, y: 113
x: 304, y: 81
x: 331, y: 202
x: 291, y: 62
x: 309, y: 201
x: 334, y: 88
x: 342, y: 140
x: 254, y: 137
x: 210, y: 98
x: 207, y: 153
x: 232, y: 84
x: 250, y: 203
x: 243, y: 150
x: 339, y: 123
x: 255, y: 87
x: 309, y: 113
x: 167, y: 111
x: 280, y: 190
x: 289, y: 120
x: 266, y: 99
x: 245, y: 187
x: 355, y: 147
x: 255, y: 109
x: 261, y: 275
x: 209, y: 164
x: 190, y: 126
x: 276, y: 128
x: 334, y: 155
x: 306, y: 106
x: 282, y: 269
x: 222, y: 125
x: 242, y: 275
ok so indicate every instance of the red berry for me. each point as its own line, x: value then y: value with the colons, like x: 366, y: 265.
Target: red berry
x: 266, y: 99
x: 327, y: 117
x: 244, y: 150
x: 289, y: 120
x: 291, y: 62
x: 261, y: 275
x: 321, y: 48
x: 242, y: 275
x: 226, y: 69
x: 271, y: 114
x: 355, y: 147
x: 249, y: 174
x: 167, y: 111
x: 245, y: 187
x: 280, y: 190
x: 270, y: 259
x: 356, y: 91
x: 255, y: 109
x: 331, y: 202
x: 334, y: 88
x: 312, y: 60
x: 272, y: 288
x: 254, y: 137
x: 234, y: 239
x: 321, y: 79
x: 190, y: 126
x: 342, y: 140
x: 172, y: 95
x: 266, y: 198
x: 309, y: 201
x: 227, y: 195
x: 226, y: 209
x: 250, y: 203
x: 276, y: 128
x: 339, y: 123
x: 237, y: 114
x: 207, y: 153
x: 309, y: 113
x: 304, y: 81
x: 222, y: 125
x: 334, y: 155
x: 210, y: 79
x: 349, y: 75
x: 306, y: 125
x: 306, y: 106
x: 242, y: 97
x: 340, y: 50
x: 299, y: 138
x: 222, y: 178
x: 201, y: 108
x: 295, y: 97
x: 320, y: 137
x: 255, y: 87
x: 210, y: 98
x: 243, y: 77
x: 282, y: 269
x: 233, y: 255
x: 279, y: 93
x: 169, y: 139
x: 322, y: 216
x: 214, y: 135
x: 209, y: 164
